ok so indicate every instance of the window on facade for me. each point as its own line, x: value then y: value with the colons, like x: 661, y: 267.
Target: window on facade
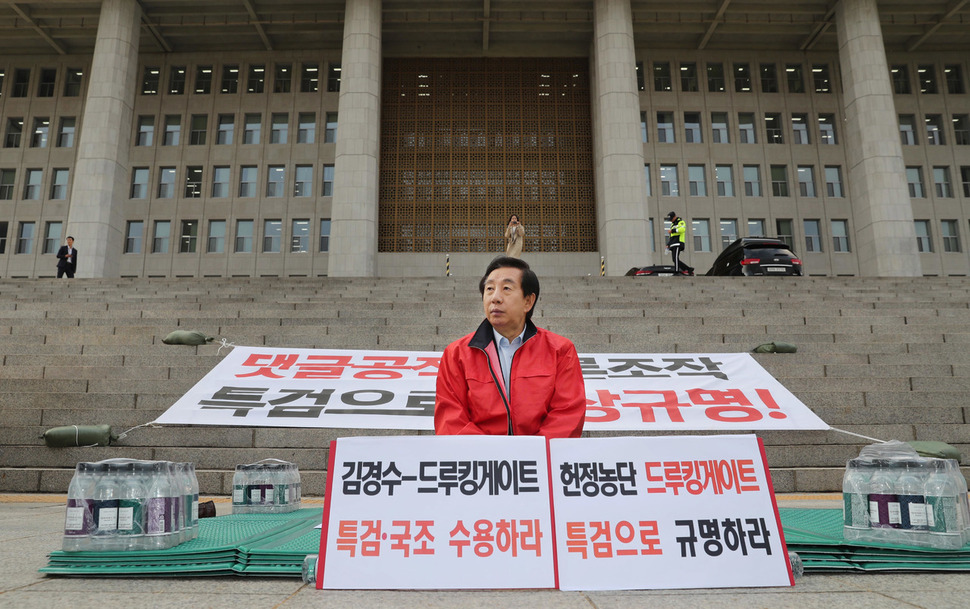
x: 59, y: 181
x: 33, y: 184
x: 333, y: 78
x: 799, y: 126
x: 756, y: 227
x: 779, y: 180
x: 3, y: 235
x: 795, y: 78
x: 784, y: 231
x: 840, y: 236
x: 203, y: 80
x: 701, y: 233
x: 661, y: 76
x: 941, y: 182
x: 139, y: 183
x: 244, y: 236
x: 826, y: 129
x: 964, y: 178
x: 310, y: 78
x: 646, y: 179
x: 230, y: 78
x: 176, y: 80
x: 65, y: 133
x: 251, y: 128
x: 821, y: 80
x: 48, y: 82
x: 52, y: 237
x: 900, y: 78
x: 833, y: 181
x: 15, y: 131
x: 926, y: 73
x: 188, y: 236
x: 961, y: 129
x: 697, y: 183
x: 279, y: 128
x: 303, y: 184
x: 21, y: 83
x: 256, y: 79
x: 924, y: 240
x: 907, y: 129
x: 134, y: 233
x: 199, y: 127
x: 225, y: 128
x: 949, y: 232
x: 146, y: 131
x: 746, y: 131
x: 953, y: 73
x: 283, y: 78
x: 40, y: 132
x: 643, y: 127
x: 688, y: 77
x: 715, y: 77
x: 300, y: 237
x: 806, y: 180
x: 692, y: 127
x: 3, y: 75
x: 934, y: 130
x: 327, y: 181
x: 166, y: 182
x: 325, y: 235
x: 742, y: 78
x: 914, y: 178
x: 719, y: 128
x: 641, y: 86
x: 72, y: 82
x: 161, y: 236
x: 149, y: 80
x: 729, y: 231
x: 813, y: 235
x: 306, y: 132
x: 215, y: 242
x: 25, y: 238
x: 193, y: 182
x: 7, y: 178
x: 272, y: 236
x: 724, y: 178
x: 665, y: 127
x: 275, y: 180
x: 220, y: 182
x: 248, y: 177
x: 669, y: 186
x: 173, y: 130
x: 769, y: 78
x: 774, y: 134
x: 752, y: 180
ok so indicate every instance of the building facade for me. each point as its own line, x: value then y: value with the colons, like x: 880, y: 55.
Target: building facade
x: 390, y: 138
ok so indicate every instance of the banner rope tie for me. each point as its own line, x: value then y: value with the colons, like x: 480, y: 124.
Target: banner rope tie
x: 858, y: 435
x: 224, y: 345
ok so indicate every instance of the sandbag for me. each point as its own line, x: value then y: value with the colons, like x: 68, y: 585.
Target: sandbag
x: 79, y: 435
x: 776, y: 347
x: 186, y: 337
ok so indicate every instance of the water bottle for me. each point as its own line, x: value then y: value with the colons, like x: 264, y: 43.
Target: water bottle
x: 106, y: 494
x: 884, y: 512
x: 194, y: 489
x: 910, y: 486
x: 281, y: 483
x: 240, y: 483
x: 855, y: 497
x: 797, y: 566
x: 310, y: 568
x: 298, y: 486
x: 79, y: 517
x: 943, y: 519
x: 158, y: 514
x: 131, y: 507
x: 184, y: 494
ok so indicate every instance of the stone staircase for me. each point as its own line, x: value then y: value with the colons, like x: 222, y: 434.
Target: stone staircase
x: 885, y: 358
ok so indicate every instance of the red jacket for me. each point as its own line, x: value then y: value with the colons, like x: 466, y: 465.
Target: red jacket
x: 548, y: 396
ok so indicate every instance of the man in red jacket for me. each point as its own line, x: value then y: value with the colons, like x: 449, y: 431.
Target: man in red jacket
x: 510, y: 377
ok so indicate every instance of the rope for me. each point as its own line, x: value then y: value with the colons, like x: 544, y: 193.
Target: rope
x: 125, y: 433
x: 225, y: 344
x: 858, y: 435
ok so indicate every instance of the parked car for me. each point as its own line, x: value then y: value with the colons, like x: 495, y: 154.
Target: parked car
x: 655, y: 270
x: 756, y: 256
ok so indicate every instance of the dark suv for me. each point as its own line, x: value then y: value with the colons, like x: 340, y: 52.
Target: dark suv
x: 756, y: 256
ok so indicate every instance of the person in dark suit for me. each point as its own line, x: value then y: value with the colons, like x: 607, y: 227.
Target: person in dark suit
x: 67, y: 259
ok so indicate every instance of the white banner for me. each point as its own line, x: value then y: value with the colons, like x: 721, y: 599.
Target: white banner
x: 665, y: 512
x: 437, y: 513
x: 364, y: 389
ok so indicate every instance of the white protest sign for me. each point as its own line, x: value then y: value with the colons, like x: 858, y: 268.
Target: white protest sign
x: 372, y: 389
x: 437, y: 513
x: 665, y: 512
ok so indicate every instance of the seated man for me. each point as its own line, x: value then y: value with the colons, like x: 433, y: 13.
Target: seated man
x: 510, y: 377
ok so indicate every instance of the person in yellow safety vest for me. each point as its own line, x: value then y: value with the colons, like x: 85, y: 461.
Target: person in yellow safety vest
x: 677, y: 242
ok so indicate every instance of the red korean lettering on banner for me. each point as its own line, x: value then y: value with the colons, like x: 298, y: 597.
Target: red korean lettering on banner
x: 605, y: 539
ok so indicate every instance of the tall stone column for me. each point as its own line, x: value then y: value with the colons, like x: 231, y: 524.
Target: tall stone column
x: 881, y: 208
x: 621, y: 198
x: 353, y: 231
x: 101, y: 178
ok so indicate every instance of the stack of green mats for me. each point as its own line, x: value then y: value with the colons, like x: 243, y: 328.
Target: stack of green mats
x: 246, y: 544
x: 816, y: 535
